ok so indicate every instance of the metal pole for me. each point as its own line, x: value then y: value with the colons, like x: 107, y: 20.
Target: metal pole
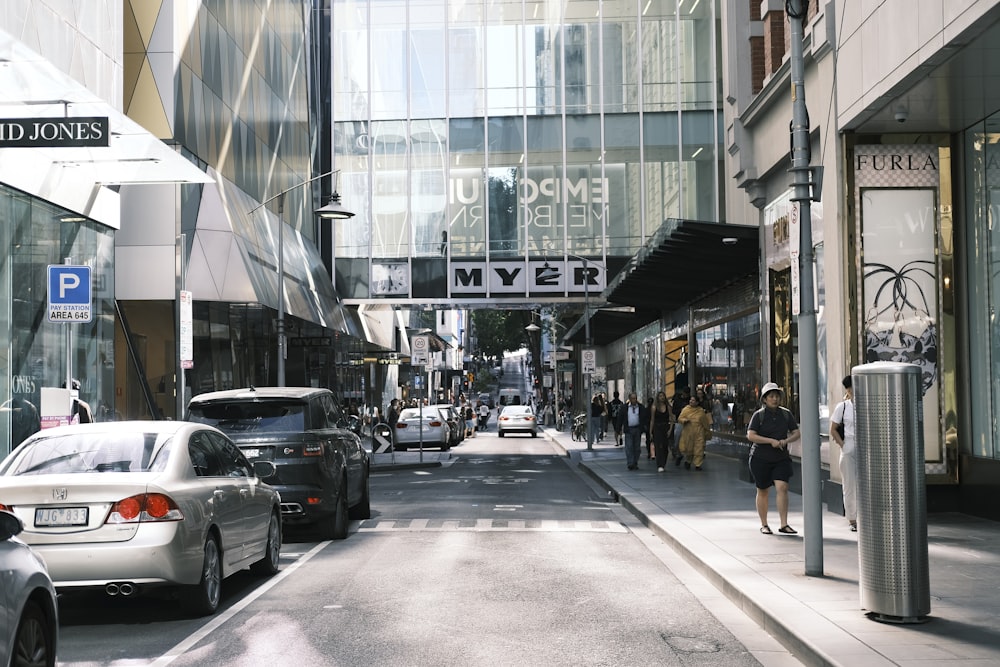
x: 281, y: 292
x: 586, y: 334
x: 68, y: 261
x: 179, y: 402
x: 812, y: 500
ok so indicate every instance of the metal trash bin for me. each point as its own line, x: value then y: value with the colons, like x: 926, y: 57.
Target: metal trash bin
x: 892, y: 496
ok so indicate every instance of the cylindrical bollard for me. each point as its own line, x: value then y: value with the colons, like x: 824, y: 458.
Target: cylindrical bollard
x: 892, y: 496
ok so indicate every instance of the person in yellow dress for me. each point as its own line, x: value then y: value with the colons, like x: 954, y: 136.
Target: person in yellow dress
x: 696, y: 423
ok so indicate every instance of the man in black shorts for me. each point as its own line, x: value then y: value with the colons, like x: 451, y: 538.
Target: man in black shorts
x: 771, y: 429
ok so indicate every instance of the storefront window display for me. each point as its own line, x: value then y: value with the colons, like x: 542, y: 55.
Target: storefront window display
x: 728, y: 358
x: 33, y: 235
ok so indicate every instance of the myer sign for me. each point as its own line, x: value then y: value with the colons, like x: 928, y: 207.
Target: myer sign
x: 59, y: 132
x: 534, y: 277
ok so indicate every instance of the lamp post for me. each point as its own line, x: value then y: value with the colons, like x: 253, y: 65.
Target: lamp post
x: 812, y: 495
x: 333, y: 210
x: 532, y: 328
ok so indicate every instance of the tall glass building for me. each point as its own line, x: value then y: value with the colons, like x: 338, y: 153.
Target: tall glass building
x: 489, y: 148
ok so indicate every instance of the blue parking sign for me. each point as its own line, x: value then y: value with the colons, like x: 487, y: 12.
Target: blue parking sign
x: 69, y: 293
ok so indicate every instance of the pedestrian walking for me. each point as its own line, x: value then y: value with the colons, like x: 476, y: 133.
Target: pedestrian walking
x: 634, y: 419
x: 484, y: 415
x: 677, y: 405
x: 771, y: 429
x: 391, y: 418
x: 842, y: 432
x: 597, y: 413
x: 613, y: 407
x: 696, y: 423
x: 661, y: 422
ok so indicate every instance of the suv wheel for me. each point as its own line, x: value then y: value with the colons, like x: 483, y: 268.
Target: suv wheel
x: 335, y: 527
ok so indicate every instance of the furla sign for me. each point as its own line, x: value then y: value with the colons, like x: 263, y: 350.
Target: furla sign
x: 82, y: 131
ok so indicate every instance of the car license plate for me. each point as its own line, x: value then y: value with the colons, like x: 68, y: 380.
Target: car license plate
x: 61, y: 516
x: 251, y: 452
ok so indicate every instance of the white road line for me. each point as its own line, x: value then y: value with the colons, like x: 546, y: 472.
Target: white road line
x: 494, y: 525
x: 179, y: 649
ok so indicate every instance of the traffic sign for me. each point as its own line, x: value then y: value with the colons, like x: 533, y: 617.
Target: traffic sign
x: 588, y: 360
x: 69, y: 294
x: 419, y: 351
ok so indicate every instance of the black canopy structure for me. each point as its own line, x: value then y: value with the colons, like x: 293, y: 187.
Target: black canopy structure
x: 684, y: 261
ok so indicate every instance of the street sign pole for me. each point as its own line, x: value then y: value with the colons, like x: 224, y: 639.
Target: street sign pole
x: 69, y: 345
x: 419, y: 356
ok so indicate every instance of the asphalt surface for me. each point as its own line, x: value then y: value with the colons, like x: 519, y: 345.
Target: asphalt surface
x: 709, y: 518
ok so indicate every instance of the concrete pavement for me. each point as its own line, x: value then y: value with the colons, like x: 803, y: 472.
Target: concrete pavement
x: 709, y: 518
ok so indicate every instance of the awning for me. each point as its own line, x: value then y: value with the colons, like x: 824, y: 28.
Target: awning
x: 684, y: 261
x: 234, y: 256
x: 608, y: 325
x: 75, y: 177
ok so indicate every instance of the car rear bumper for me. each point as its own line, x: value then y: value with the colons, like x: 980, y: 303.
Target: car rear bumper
x: 157, y: 554
x: 305, y: 504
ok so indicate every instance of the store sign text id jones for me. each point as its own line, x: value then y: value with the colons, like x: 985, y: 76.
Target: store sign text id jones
x: 58, y: 132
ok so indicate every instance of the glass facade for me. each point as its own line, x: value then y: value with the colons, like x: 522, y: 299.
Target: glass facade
x: 33, y: 235
x: 481, y: 140
x: 982, y: 149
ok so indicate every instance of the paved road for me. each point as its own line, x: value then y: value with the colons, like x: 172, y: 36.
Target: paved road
x: 506, y: 555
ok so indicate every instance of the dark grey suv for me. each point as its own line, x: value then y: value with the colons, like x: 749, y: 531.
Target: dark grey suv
x: 322, y: 469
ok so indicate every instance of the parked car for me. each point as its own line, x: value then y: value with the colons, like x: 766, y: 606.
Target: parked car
x: 487, y: 398
x: 124, y: 506
x: 322, y: 468
x: 455, y: 421
x: 517, y: 419
x: 436, y: 432
x: 29, y: 616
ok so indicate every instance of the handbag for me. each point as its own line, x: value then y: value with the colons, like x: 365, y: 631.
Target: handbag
x: 840, y: 430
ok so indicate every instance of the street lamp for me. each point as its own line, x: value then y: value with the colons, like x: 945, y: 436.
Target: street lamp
x: 332, y: 211
x: 532, y: 328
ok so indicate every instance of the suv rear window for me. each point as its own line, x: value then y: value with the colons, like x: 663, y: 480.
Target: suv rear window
x: 252, y: 416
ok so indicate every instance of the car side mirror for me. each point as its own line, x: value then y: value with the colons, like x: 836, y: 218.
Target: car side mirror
x: 10, y: 526
x: 264, y: 469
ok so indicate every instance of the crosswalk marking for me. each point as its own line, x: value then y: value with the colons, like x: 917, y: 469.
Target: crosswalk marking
x: 494, y: 525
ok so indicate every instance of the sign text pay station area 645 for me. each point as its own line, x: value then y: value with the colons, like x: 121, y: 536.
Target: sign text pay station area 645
x: 69, y: 292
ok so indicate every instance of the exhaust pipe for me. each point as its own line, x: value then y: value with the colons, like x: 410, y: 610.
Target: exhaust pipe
x: 125, y: 589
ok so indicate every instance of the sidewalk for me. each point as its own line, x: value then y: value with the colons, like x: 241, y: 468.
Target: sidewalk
x: 709, y: 518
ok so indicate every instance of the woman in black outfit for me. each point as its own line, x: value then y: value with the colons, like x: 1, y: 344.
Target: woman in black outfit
x: 661, y: 426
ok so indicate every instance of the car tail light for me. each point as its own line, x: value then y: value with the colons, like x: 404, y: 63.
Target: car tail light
x: 145, y: 508
x: 503, y: 419
x: 530, y: 418
x: 313, y: 500
x: 6, y: 508
x: 401, y: 425
x: 313, y: 449
x: 434, y: 423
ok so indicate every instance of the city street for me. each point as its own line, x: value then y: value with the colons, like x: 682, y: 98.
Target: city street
x: 503, y: 555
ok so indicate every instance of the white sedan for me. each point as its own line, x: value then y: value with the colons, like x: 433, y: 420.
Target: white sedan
x: 427, y: 426
x: 29, y: 617
x: 124, y: 506
x: 517, y: 419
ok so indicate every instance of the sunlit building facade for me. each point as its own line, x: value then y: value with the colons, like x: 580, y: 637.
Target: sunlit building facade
x: 488, y: 148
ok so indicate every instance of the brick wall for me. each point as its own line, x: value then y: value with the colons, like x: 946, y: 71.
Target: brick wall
x: 775, y: 41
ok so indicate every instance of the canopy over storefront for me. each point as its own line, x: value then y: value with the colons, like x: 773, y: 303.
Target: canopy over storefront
x: 684, y: 261
x: 78, y: 178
